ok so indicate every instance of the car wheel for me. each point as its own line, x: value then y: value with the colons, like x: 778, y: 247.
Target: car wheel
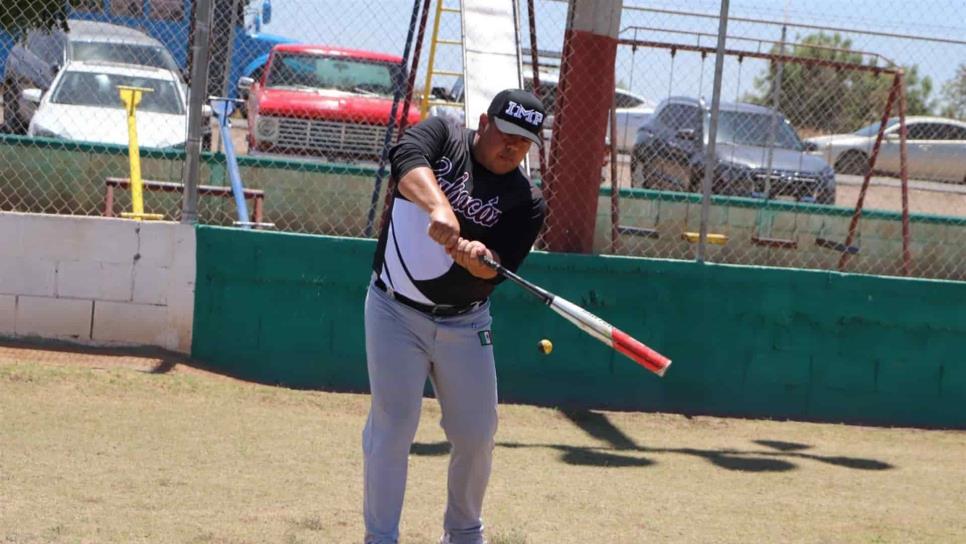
x: 643, y: 174
x: 852, y: 162
x: 11, y: 120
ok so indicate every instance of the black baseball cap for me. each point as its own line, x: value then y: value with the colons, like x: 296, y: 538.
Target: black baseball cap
x: 518, y: 112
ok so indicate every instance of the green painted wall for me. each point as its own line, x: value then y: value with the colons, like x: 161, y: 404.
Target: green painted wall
x: 287, y: 309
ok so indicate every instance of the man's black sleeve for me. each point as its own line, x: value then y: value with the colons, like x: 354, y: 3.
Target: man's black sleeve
x: 519, y: 231
x: 420, y: 146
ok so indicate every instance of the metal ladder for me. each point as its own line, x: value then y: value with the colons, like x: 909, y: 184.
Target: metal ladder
x: 431, y: 70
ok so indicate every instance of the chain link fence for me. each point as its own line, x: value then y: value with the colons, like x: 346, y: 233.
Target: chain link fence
x: 313, y: 87
x: 803, y: 93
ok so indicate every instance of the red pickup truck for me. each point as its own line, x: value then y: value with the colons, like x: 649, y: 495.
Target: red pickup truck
x: 323, y: 102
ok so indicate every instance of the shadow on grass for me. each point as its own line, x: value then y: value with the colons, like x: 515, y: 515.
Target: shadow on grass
x: 162, y: 361
x: 622, y: 451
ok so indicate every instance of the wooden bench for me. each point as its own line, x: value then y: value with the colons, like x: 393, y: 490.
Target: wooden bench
x: 257, y: 195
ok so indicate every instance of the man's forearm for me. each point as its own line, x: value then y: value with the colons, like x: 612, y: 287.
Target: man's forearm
x: 420, y: 187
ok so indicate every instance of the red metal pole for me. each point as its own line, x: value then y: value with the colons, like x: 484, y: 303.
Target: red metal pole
x: 903, y: 173
x: 853, y: 225
x: 584, y: 95
x: 259, y: 207
x: 615, y: 186
x: 535, y: 67
x: 109, y: 201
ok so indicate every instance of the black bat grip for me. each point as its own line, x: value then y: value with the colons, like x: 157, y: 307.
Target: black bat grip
x: 542, y: 294
x: 492, y: 264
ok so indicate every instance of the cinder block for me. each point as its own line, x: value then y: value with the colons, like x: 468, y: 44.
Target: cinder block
x: 51, y: 237
x: 778, y: 368
x: 50, y: 317
x: 908, y: 375
x: 953, y: 378
x: 94, y: 280
x: 132, y: 323
x: 184, y: 265
x: 151, y: 284
x: 157, y: 242
x: 8, y: 307
x: 11, y: 232
x: 850, y: 374
x: 111, y: 240
x: 27, y: 276
x: 79, y: 238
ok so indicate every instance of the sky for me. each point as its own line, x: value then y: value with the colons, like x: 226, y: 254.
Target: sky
x: 382, y: 25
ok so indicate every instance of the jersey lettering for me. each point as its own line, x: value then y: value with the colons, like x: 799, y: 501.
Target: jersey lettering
x: 482, y: 213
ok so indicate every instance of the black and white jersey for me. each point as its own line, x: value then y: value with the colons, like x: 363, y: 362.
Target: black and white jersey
x: 505, y: 212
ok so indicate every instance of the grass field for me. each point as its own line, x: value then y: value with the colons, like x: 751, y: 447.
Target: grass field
x: 99, y: 447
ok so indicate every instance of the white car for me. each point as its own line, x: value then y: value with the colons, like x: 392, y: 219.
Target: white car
x: 935, y: 147
x: 83, y: 105
x: 631, y: 112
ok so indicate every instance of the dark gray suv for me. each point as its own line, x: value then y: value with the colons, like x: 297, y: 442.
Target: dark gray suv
x: 669, y: 153
x: 33, y: 63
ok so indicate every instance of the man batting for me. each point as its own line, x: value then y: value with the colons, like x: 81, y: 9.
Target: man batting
x: 460, y: 194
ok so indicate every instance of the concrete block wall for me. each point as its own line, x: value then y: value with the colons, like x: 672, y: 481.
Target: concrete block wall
x: 96, y: 280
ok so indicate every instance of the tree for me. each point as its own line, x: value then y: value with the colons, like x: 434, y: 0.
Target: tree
x: 18, y: 16
x: 954, y: 94
x: 828, y: 99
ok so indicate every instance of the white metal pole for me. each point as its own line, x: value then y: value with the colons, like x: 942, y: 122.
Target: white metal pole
x: 710, y: 161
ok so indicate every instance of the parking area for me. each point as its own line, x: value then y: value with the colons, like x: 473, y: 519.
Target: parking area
x: 930, y: 197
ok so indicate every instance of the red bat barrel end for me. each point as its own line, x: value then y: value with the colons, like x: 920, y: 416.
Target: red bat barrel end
x: 640, y: 353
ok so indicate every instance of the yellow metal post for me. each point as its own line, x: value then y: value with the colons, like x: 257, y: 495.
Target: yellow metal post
x: 427, y: 90
x: 131, y: 97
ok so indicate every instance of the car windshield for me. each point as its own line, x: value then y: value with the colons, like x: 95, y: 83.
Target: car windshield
x: 331, y: 72
x: 98, y: 89
x: 747, y: 128
x: 873, y: 129
x: 123, y: 53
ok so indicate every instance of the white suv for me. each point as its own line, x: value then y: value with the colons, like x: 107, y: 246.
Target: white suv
x: 83, y: 105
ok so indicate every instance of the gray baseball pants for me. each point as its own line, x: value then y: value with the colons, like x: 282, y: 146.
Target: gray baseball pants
x: 403, y: 347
